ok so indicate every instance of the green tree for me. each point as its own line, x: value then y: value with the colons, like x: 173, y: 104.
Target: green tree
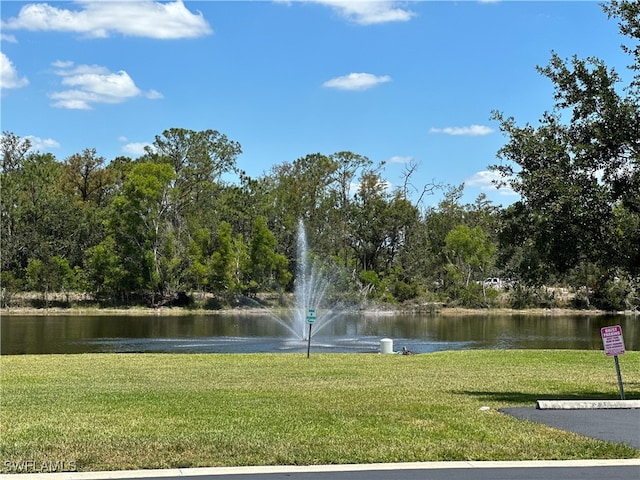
x: 628, y: 14
x: 567, y: 206
x: 222, y: 261
x: 576, y: 166
x: 300, y: 190
x: 9, y: 286
x: 50, y: 275
x: 13, y: 154
x: 469, y: 251
x: 85, y: 177
x: 401, y: 218
x: 117, y: 171
x: 140, y: 221
x: 197, y: 197
x: 41, y: 221
x: 347, y: 167
x: 198, y: 159
x: 241, y: 261
x: 269, y: 269
x: 437, y: 223
x: 518, y: 254
x: 198, y: 252
x: 381, y: 224
x: 369, y: 232
x: 102, y: 272
x: 13, y: 150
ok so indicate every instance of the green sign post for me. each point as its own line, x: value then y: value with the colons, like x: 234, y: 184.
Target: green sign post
x: 311, y: 318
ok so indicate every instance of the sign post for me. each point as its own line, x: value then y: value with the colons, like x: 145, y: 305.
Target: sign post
x: 614, y: 346
x: 311, y: 318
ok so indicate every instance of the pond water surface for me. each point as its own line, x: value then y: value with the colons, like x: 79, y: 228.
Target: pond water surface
x: 231, y: 333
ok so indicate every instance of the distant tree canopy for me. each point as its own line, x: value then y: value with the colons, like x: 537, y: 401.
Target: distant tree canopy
x: 577, y: 172
x: 167, y: 222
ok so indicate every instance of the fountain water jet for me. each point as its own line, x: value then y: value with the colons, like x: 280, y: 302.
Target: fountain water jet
x: 310, y: 290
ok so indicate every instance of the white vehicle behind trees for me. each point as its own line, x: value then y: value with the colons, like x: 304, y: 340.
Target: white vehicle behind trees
x: 493, y: 282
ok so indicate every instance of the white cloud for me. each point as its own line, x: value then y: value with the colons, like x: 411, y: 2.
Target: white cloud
x: 8, y: 38
x: 9, y: 77
x: 135, y: 148
x: 486, y: 181
x: 153, y: 95
x: 472, y: 131
x: 42, y: 144
x: 99, y: 19
x: 399, y: 159
x: 369, y: 12
x: 91, y: 84
x: 62, y: 64
x: 356, y: 81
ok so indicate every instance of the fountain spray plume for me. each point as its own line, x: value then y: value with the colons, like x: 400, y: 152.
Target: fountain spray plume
x: 310, y: 287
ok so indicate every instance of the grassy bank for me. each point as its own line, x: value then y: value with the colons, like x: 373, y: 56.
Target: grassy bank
x: 117, y: 411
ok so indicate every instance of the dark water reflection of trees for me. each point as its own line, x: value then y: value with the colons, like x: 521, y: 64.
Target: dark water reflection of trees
x: 259, y: 333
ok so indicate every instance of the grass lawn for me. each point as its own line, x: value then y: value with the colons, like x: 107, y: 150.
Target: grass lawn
x: 123, y: 411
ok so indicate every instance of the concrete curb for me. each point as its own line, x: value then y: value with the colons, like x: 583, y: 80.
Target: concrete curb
x: 291, y: 469
x: 585, y: 404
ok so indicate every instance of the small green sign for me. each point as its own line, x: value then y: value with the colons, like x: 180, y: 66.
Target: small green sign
x: 311, y: 315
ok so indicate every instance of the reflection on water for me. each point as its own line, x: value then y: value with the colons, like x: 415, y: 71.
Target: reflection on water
x: 348, y: 333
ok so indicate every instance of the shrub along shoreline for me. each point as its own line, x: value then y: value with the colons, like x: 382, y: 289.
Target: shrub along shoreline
x: 76, y: 304
x: 71, y: 303
x: 179, y: 311
x: 130, y: 411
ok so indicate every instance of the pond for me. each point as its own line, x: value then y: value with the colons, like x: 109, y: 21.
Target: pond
x: 238, y: 333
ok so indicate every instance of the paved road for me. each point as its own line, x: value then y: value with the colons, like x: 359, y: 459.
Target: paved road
x: 611, y: 425
x: 452, y: 471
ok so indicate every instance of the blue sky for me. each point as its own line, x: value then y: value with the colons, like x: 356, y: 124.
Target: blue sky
x: 408, y: 83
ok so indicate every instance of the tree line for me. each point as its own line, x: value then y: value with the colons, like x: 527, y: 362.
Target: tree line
x: 167, y: 223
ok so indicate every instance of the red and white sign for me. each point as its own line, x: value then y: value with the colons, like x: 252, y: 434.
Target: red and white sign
x: 612, y: 340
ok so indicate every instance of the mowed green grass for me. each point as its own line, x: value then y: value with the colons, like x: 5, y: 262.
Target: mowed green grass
x: 124, y: 411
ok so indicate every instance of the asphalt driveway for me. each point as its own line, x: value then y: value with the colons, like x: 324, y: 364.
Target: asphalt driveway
x: 612, y: 425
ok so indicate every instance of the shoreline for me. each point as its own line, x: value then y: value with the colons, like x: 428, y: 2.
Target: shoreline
x: 180, y: 311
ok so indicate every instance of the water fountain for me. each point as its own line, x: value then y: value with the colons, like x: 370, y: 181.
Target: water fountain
x: 310, y: 290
